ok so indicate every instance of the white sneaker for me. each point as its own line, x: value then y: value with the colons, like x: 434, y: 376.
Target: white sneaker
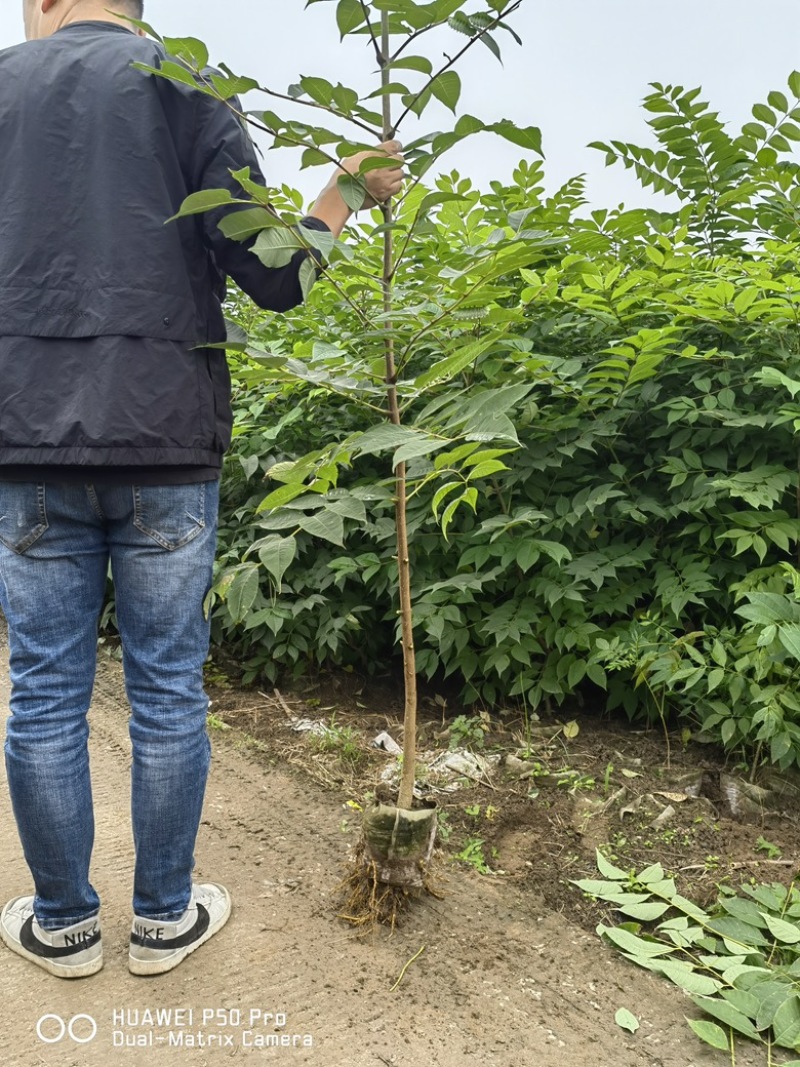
x: 157, y: 947
x: 73, y: 952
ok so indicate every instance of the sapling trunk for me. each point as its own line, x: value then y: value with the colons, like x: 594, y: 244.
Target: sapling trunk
x: 406, y: 793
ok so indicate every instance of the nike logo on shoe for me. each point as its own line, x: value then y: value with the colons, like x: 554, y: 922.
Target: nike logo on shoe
x: 147, y: 936
x: 73, y: 942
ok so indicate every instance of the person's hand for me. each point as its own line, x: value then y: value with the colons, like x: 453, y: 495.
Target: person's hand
x: 383, y: 182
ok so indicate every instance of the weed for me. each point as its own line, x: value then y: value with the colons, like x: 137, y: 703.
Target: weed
x: 469, y: 731
x: 472, y: 853
x: 443, y: 827
x: 216, y: 676
x: 578, y: 783
x: 771, y: 851
x: 343, y: 741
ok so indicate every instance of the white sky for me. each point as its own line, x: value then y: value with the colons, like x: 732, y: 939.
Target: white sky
x: 582, y: 71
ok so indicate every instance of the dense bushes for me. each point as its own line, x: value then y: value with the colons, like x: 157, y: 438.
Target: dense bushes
x: 602, y: 444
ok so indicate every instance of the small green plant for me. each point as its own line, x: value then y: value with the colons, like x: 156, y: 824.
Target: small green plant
x: 739, y: 961
x: 215, y: 723
x: 575, y: 782
x: 469, y: 731
x: 343, y: 741
x: 771, y: 851
x: 214, y: 675
x: 472, y: 853
x: 443, y: 827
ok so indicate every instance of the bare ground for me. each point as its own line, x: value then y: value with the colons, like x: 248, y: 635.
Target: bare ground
x: 500, y: 975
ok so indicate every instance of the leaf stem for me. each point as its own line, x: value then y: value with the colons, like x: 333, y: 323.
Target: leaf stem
x: 451, y: 62
x: 379, y: 55
x: 322, y: 107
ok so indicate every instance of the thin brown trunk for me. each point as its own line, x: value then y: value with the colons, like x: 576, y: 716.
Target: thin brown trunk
x: 406, y: 794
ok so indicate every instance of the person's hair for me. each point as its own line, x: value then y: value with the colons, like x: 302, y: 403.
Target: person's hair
x: 133, y: 7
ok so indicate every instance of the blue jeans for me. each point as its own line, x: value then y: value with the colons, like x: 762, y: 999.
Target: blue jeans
x: 56, y: 544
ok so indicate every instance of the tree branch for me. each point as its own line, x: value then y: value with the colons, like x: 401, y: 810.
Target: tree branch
x: 451, y: 62
x: 322, y: 107
x: 378, y: 53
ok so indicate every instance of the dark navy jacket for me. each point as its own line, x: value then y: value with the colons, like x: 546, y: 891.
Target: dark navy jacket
x: 102, y: 306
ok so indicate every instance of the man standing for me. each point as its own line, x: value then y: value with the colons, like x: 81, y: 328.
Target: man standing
x: 113, y: 423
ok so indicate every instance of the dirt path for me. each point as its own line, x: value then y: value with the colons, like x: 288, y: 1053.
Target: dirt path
x: 499, y: 982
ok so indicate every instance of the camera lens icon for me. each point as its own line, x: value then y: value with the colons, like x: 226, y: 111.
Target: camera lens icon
x: 51, y: 1029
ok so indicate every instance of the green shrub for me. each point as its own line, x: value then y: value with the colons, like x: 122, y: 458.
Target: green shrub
x: 605, y: 495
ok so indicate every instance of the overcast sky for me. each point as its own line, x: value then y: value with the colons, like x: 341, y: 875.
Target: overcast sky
x: 581, y: 74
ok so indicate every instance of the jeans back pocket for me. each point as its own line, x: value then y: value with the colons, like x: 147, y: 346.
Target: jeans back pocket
x: 23, y: 514
x: 172, y: 515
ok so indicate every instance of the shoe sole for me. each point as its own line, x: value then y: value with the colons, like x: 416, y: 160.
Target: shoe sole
x: 59, y: 970
x: 169, y: 963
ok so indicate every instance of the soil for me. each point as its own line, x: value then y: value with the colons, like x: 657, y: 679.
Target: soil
x: 498, y: 968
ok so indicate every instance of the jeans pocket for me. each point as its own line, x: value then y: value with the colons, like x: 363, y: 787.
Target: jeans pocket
x: 171, y: 515
x: 23, y: 514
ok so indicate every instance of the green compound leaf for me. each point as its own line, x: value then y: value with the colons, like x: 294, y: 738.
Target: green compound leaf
x: 442, y: 494
x: 240, y: 225
x: 635, y: 946
x: 710, y: 1033
x: 188, y: 49
x: 243, y: 592
x: 205, y: 200
x: 307, y: 276
x: 349, y: 16
x: 786, y: 1024
x: 382, y: 438
x: 646, y: 912
x: 423, y: 446
x: 454, y: 364
x: 447, y: 88
x: 781, y: 930
x: 325, y: 524
x: 726, y: 1013
x: 353, y: 191
x: 277, y: 554
x: 769, y: 995
x: 737, y: 932
x: 683, y: 976
x: 607, y: 869
x: 649, y: 875
x: 276, y: 247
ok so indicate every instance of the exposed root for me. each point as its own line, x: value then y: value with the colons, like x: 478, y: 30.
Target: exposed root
x: 368, y: 902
